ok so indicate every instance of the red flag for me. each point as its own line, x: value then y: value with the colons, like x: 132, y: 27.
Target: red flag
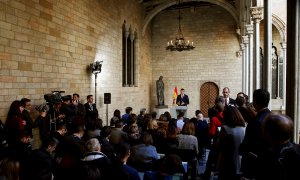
x: 175, y: 93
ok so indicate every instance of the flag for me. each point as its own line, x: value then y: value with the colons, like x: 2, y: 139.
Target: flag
x: 175, y: 93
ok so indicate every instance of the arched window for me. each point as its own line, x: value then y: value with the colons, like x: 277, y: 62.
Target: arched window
x: 128, y: 56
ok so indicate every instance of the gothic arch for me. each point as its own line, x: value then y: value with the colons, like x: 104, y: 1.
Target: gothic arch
x: 280, y: 26
x: 231, y: 9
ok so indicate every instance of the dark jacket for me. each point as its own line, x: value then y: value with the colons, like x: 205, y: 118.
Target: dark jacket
x: 185, y: 99
x: 91, y: 114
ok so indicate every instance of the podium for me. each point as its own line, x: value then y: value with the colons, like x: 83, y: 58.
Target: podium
x: 160, y: 110
x: 174, y: 111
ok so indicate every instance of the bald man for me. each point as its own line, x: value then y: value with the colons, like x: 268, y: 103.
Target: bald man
x: 277, y: 132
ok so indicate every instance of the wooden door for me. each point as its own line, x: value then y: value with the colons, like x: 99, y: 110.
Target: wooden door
x: 208, y: 93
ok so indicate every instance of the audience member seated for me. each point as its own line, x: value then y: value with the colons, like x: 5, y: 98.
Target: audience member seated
x: 73, y: 151
x: 95, y: 129
x: 23, y: 152
x: 180, y: 120
x: 201, y: 133
x: 141, y: 116
x: 187, y: 138
x: 121, y: 170
x: 145, y: 122
x: 95, y: 158
x: 290, y: 159
x: 60, y: 132
x: 172, y: 132
x: 166, y: 168
x: 152, y: 126
x: 143, y: 155
x: 134, y: 134
x: 9, y: 169
x: 160, y: 139
x: 117, y: 134
x: 132, y: 119
x: 277, y: 133
x: 106, y: 147
x: 115, y: 118
x: 41, y: 163
x: 168, y: 115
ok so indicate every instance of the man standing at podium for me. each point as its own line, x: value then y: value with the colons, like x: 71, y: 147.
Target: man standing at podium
x: 182, y: 99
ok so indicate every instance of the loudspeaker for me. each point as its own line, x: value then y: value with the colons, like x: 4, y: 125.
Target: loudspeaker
x: 107, y: 98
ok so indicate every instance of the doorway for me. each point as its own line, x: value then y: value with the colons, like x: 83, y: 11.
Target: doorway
x: 208, y: 93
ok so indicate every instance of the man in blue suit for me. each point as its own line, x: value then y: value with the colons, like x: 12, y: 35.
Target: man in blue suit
x: 182, y: 99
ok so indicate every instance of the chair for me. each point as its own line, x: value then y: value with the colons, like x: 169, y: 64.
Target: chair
x: 189, y: 156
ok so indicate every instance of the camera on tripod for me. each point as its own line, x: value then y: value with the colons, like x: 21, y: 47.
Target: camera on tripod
x: 53, y: 97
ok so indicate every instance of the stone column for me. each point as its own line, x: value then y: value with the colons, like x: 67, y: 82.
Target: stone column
x: 292, y: 62
x: 243, y: 67
x: 267, y: 65
x: 245, y: 41
x: 249, y: 31
x: 283, y: 47
x: 256, y: 13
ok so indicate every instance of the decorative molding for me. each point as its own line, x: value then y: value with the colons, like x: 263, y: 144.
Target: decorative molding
x: 256, y: 13
x: 249, y: 28
x: 245, y: 40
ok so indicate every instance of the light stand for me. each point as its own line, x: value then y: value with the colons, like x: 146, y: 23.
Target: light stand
x: 96, y: 68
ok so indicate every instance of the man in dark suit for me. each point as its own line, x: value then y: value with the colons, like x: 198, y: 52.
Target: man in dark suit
x: 228, y: 101
x: 182, y: 99
x: 91, y: 112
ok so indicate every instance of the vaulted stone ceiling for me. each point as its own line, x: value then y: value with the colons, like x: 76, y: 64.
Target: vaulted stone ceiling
x: 153, y: 7
x: 151, y: 4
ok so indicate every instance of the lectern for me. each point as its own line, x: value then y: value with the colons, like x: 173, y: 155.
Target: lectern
x: 176, y: 109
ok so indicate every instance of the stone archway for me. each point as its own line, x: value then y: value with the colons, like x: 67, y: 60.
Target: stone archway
x: 208, y: 93
x: 224, y: 4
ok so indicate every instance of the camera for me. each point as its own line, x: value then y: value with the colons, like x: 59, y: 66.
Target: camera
x: 42, y: 108
x: 53, y: 97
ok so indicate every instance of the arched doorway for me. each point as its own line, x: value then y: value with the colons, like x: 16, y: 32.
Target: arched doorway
x: 208, y: 93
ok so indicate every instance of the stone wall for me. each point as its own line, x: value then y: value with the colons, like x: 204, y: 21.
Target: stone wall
x: 213, y: 31
x: 46, y: 45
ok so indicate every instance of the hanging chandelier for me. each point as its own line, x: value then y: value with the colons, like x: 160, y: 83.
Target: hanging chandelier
x: 180, y: 44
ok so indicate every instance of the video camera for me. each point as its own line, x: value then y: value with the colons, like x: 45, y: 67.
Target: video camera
x: 53, y: 97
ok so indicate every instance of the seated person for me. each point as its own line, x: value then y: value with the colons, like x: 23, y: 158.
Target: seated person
x: 167, y: 167
x: 144, y: 153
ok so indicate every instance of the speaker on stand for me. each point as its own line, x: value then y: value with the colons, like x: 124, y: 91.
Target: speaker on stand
x: 107, y: 100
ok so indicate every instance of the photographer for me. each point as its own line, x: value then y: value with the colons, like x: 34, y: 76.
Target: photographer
x: 44, y: 125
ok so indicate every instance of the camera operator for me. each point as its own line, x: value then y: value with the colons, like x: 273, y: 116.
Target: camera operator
x: 44, y: 125
x: 79, y: 110
x: 68, y: 109
x: 56, y: 112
